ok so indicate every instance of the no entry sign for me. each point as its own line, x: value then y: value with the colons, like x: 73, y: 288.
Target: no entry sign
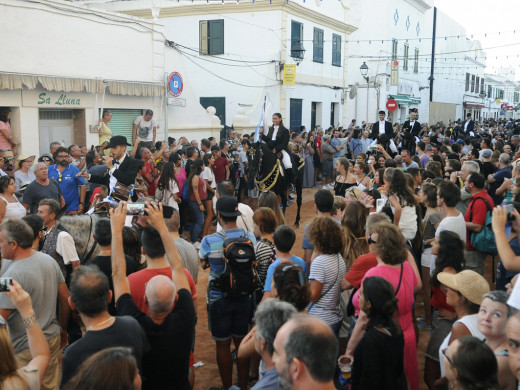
x: 391, y: 105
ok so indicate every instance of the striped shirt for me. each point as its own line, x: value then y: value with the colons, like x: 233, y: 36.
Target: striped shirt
x: 328, y: 270
x: 265, y: 256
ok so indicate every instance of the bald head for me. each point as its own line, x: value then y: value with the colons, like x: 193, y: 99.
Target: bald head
x: 160, y: 294
x: 298, y: 340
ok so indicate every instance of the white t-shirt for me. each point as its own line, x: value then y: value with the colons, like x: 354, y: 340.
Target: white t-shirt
x: 242, y: 160
x: 244, y: 221
x: 145, y: 129
x: 453, y: 224
x: 207, y: 174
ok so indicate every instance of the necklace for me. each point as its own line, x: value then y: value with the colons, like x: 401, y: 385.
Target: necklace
x: 100, y: 323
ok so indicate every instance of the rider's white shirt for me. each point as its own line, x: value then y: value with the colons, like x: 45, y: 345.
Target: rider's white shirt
x: 275, y: 132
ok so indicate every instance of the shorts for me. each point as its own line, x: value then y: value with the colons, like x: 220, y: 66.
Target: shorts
x: 317, y: 164
x: 440, y: 329
x: 426, y: 258
x: 210, y: 196
x: 229, y: 317
x: 326, y: 169
x: 475, y: 261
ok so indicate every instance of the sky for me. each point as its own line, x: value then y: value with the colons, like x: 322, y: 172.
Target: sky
x: 485, y: 19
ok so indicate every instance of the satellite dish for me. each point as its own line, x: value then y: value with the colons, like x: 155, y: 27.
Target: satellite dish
x: 353, y: 92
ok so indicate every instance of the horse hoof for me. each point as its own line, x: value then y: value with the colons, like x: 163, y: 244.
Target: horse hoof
x: 296, y: 225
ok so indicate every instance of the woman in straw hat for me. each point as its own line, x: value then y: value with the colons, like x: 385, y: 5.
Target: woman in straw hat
x: 464, y: 292
x: 23, y: 174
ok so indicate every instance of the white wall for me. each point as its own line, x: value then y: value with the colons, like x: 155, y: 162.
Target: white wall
x: 44, y: 40
x: 375, y: 22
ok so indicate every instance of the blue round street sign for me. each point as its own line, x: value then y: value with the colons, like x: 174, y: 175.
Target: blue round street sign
x: 175, y: 84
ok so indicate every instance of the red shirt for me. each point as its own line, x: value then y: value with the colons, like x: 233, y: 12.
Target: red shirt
x: 151, y: 185
x: 477, y: 208
x: 317, y: 143
x: 219, y: 168
x: 361, y: 265
x: 138, y: 281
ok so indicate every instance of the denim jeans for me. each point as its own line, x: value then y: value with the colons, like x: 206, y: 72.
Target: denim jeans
x: 197, y: 220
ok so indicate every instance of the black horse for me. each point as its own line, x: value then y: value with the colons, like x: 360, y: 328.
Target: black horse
x: 267, y: 172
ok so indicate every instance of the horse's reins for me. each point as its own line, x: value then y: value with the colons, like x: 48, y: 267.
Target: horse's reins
x: 88, y: 242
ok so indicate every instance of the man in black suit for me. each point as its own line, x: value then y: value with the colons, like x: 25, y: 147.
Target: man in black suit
x: 278, y: 140
x: 382, y: 131
x: 120, y: 167
x: 469, y: 125
x: 411, y: 129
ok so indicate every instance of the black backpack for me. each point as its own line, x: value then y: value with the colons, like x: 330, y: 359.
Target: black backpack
x: 240, y: 277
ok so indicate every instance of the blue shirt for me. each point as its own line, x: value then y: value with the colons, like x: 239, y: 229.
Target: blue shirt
x: 211, y: 248
x: 68, y: 183
x: 336, y: 142
x: 270, y: 271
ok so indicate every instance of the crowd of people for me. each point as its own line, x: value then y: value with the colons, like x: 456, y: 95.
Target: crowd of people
x: 408, y: 218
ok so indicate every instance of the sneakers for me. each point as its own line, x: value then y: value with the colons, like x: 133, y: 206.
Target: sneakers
x: 196, y: 245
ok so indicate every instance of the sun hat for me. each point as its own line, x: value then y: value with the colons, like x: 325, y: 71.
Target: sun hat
x: 470, y: 284
x: 22, y: 157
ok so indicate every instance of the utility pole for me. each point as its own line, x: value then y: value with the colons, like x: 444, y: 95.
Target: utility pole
x: 431, y: 78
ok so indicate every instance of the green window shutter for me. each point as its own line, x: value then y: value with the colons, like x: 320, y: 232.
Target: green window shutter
x: 203, y: 37
x: 122, y: 123
x: 336, y: 50
x: 296, y: 36
x: 216, y: 37
x: 317, y: 43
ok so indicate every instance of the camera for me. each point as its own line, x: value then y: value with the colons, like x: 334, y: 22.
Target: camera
x: 138, y: 209
x: 5, y: 283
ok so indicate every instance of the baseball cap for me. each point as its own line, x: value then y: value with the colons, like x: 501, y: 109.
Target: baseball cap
x: 486, y: 153
x: 470, y: 284
x: 228, y: 206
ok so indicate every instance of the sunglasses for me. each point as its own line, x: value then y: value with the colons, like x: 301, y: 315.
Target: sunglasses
x: 370, y: 240
x: 46, y: 159
x: 447, y: 357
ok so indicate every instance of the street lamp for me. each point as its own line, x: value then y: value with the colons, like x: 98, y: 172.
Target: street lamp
x: 297, y: 52
x: 364, y: 71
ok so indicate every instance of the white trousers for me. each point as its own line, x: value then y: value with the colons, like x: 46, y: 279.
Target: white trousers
x: 286, y: 160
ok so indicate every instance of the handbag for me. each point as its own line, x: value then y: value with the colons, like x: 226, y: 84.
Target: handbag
x: 484, y: 241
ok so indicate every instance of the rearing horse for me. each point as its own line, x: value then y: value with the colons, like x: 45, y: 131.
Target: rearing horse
x: 267, y: 172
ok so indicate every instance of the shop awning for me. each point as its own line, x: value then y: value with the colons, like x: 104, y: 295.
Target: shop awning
x: 474, y: 105
x: 69, y: 84
x: 401, y: 99
x: 414, y: 100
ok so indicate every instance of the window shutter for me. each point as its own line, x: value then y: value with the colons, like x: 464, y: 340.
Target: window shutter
x: 203, y: 37
x: 216, y: 36
x: 122, y: 123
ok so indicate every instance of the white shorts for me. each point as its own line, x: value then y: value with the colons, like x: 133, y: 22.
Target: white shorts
x: 286, y: 160
x: 427, y: 259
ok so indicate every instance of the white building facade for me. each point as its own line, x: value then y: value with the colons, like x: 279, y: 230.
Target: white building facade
x: 234, y: 52
x: 64, y: 63
x: 390, y: 41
